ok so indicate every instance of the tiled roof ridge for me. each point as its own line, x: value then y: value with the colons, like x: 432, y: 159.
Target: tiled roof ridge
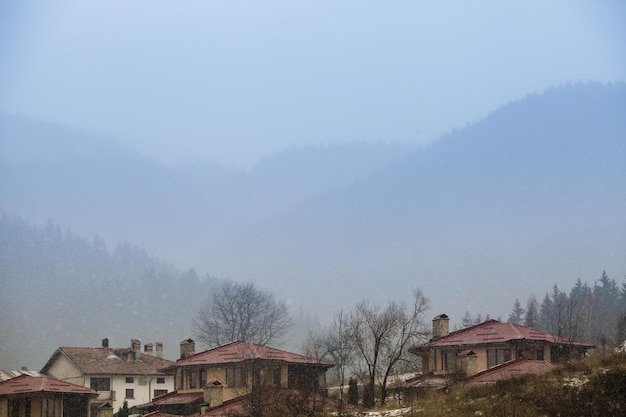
x: 241, y: 351
x: 516, y: 328
x: 468, y: 329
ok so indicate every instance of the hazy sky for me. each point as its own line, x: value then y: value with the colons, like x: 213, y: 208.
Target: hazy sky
x: 232, y: 81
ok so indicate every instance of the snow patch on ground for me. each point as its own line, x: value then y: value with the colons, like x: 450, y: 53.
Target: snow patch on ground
x: 388, y: 413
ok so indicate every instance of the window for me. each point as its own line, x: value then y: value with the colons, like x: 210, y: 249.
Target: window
x: 130, y: 379
x: 192, y: 379
x: 277, y: 376
x: 202, y: 378
x: 160, y: 380
x: 236, y: 377
x: 130, y: 393
x: 159, y: 392
x: 100, y: 384
x: 446, y: 361
x: 497, y: 356
x: 47, y: 407
x: 540, y: 355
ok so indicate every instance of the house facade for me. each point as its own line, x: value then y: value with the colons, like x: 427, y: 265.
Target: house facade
x: 490, y: 346
x: 116, y: 374
x: 26, y: 396
x: 210, y: 378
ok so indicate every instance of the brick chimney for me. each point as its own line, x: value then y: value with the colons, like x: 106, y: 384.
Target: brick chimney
x: 441, y: 326
x: 147, y: 349
x: 159, y: 350
x: 187, y: 348
x: 105, y: 342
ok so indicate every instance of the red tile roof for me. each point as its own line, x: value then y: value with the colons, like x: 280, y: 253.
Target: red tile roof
x: 493, y: 331
x: 242, y: 351
x: 175, y: 398
x: 161, y: 414
x: 109, y: 361
x: 511, y: 369
x: 31, y: 384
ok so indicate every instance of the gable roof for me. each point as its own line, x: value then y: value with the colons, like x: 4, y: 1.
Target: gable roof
x: 493, y: 331
x: 109, y: 361
x: 511, y: 369
x: 235, y: 352
x: 31, y: 384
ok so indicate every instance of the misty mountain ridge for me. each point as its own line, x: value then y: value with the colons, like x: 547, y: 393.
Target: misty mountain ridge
x: 531, y: 195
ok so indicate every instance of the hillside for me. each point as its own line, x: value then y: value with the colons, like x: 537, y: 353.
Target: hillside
x: 529, y: 196
x: 59, y: 289
x: 592, y: 387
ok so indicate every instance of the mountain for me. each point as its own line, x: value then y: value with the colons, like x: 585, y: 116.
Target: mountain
x: 534, y: 194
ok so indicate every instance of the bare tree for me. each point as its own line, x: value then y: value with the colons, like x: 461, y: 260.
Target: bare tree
x: 340, y: 347
x: 333, y: 343
x: 241, y: 312
x: 382, y: 335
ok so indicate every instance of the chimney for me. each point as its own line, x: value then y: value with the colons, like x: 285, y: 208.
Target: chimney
x: 105, y: 410
x: 147, y: 349
x: 159, y: 350
x: 213, y: 395
x: 468, y: 363
x: 135, y: 350
x: 105, y: 342
x: 187, y: 348
x: 441, y: 326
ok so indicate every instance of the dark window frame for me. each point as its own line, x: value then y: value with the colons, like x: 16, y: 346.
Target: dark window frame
x: 100, y: 384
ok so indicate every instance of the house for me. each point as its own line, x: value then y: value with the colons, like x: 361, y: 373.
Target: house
x: 27, y: 395
x: 215, y: 376
x: 117, y: 374
x: 489, y: 351
x: 4, y: 375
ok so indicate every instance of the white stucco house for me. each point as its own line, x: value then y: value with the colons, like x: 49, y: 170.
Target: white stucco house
x: 116, y: 374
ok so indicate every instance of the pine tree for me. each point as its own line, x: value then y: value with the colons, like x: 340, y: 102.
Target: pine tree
x: 531, y: 318
x: 467, y: 320
x: 517, y: 313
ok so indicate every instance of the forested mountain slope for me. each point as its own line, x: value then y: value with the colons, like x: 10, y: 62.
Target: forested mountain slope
x: 532, y: 195
x: 59, y: 289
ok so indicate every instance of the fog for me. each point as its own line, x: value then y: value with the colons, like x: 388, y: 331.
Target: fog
x: 327, y: 152
x: 235, y: 81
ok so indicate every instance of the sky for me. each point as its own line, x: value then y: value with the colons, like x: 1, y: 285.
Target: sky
x: 234, y: 81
